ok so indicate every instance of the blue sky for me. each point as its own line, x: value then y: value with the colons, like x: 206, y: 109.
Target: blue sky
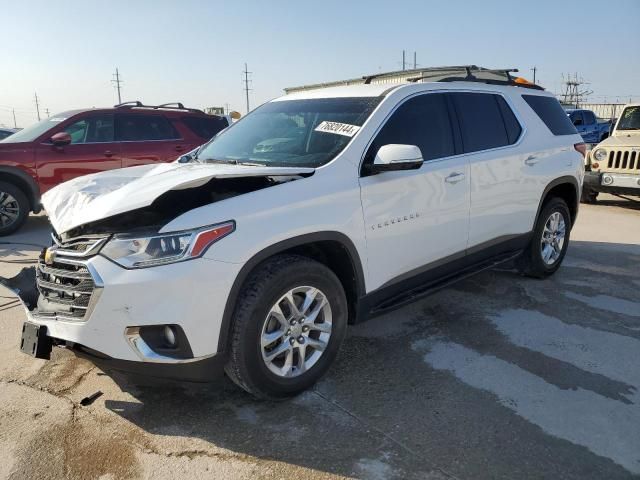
x: 194, y: 51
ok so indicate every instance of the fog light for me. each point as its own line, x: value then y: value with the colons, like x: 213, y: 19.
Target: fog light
x: 170, y: 336
x: 607, y: 180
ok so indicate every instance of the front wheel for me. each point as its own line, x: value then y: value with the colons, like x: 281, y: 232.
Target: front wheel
x: 289, y: 322
x: 549, y: 241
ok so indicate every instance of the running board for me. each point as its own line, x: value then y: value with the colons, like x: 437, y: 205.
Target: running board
x: 427, y: 289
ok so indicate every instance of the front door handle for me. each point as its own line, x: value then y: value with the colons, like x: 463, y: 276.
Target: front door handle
x: 454, y: 178
x: 179, y: 148
x: 108, y: 153
x: 531, y: 161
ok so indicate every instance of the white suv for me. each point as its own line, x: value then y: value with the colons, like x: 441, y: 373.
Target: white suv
x: 314, y: 211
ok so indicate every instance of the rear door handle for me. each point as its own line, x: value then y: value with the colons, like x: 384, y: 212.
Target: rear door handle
x: 108, y: 153
x: 454, y: 178
x: 531, y: 161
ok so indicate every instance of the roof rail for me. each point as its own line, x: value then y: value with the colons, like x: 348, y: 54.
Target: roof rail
x: 164, y: 106
x: 472, y: 73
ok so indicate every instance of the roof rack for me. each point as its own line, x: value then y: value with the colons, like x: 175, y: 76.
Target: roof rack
x: 164, y: 106
x: 473, y: 73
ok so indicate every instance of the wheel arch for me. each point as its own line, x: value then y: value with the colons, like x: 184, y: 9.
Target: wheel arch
x: 568, y: 189
x: 333, y: 249
x: 25, y: 182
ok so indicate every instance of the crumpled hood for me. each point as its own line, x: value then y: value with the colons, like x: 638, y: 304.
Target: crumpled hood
x: 619, y: 139
x: 101, y: 195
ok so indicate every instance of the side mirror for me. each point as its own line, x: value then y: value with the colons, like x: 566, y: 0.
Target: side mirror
x: 394, y: 156
x: 61, y: 139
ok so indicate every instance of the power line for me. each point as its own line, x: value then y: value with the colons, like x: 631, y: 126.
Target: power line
x: 246, y: 84
x: 37, y: 105
x: 116, y: 81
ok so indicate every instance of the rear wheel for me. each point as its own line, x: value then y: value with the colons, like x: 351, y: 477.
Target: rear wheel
x: 549, y: 242
x: 14, y: 208
x: 288, y: 325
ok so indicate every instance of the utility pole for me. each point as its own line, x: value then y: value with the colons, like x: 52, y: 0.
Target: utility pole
x: 116, y: 81
x: 15, y: 124
x: 46, y: 112
x: 37, y: 105
x: 534, y: 70
x: 415, y: 63
x: 246, y: 84
x: 403, y: 60
x: 226, y: 108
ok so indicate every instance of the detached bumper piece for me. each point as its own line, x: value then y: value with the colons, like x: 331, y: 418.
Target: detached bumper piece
x: 35, y: 341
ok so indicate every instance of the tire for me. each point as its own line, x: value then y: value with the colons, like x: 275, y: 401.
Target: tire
x: 534, y: 261
x: 588, y: 195
x: 256, y: 321
x: 14, y: 208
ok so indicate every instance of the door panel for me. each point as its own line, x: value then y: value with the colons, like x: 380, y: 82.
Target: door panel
x: 92, y: 150
x: 415, y: 217
x: 503, y: 199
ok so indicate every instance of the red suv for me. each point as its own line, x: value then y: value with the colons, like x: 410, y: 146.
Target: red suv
x: 80, y: 142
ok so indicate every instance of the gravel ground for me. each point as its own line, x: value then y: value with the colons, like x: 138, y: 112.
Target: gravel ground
x: 498, y: 377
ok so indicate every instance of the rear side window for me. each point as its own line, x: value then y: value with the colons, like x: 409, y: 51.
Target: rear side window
x: 481, y: 121
x: 205, y: 127
x: 551, y: 113
x: 423, y: 121
x: 514, y: 129
x: 137, y: 127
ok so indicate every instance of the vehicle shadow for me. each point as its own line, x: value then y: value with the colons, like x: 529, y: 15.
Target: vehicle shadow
x: 629, y: 203
x: 395, y: 401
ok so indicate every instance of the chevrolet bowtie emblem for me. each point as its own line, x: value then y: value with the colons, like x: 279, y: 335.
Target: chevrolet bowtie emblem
x: 49, y: 256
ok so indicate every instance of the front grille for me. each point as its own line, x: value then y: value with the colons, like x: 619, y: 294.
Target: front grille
x: 625, y: 161
x: 65, y: 283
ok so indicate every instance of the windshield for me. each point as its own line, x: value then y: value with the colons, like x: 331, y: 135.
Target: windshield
x: 32, y: 132
x: 301, y: 133
x: 630, y: 119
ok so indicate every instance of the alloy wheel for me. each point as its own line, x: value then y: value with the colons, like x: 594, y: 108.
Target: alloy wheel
x: 9, y: 209
x: 553, y: 236
x: 296, y: 331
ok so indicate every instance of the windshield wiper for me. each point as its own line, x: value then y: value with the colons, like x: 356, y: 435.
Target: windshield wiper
x: 231, y: 162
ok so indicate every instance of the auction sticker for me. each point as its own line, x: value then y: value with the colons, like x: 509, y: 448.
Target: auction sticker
x: 338, y: 128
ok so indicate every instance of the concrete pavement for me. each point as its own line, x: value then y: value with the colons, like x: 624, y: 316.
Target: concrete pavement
x: 498, y: 377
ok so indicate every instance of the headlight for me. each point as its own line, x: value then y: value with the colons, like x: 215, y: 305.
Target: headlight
x: 600, y: 154
x: 163, y: 248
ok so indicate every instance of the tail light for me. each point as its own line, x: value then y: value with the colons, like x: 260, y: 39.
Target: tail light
x: 582, y: 148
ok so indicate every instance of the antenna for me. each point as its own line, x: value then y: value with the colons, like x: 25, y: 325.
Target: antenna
x: 116, y: 83
x: 246, y: 82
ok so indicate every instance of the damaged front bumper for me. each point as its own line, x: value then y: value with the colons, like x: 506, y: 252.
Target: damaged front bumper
x: 116, y: 317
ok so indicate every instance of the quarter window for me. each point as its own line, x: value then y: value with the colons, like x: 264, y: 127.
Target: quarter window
x: 481, y: 121
x: 94, y: 129
x: 138, y: 127
x: 422, y: 121
x: 551, y: 113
